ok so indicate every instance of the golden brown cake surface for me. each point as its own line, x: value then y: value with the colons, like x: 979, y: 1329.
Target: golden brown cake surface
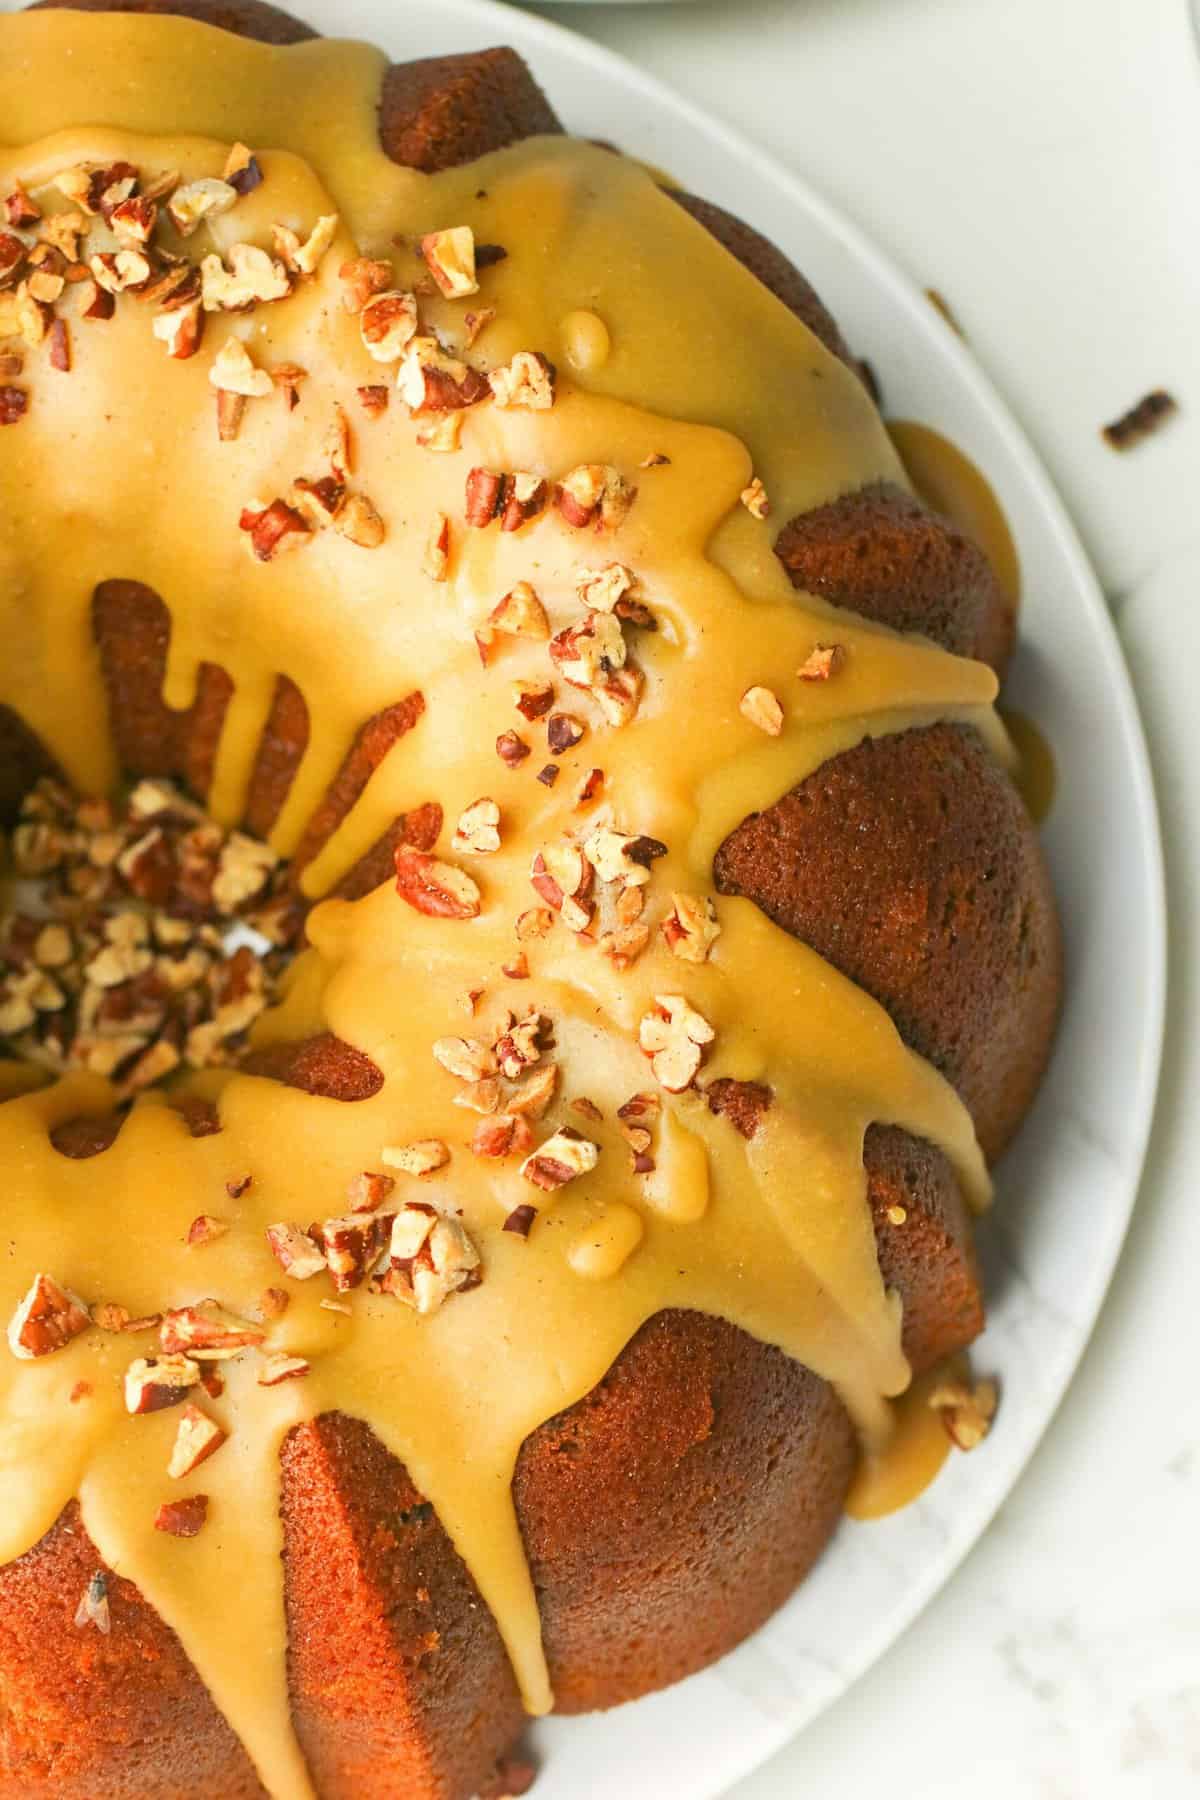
x: 687, y: 1132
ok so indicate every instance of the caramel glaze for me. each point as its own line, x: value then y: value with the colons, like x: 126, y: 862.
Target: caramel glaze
x: 885, y: 1482
x: 116, y: 472
x: 1036, y: 773
x: 948, y: 481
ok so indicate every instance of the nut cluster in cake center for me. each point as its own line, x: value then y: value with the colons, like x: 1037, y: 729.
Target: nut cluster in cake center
x: 143, y: 940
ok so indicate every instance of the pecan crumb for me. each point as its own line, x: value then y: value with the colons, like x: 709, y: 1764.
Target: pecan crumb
x: 182, y: 1518
x: 1146, y: 416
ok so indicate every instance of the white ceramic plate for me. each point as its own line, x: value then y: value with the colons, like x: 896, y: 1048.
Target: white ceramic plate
x: 1067, y: 1190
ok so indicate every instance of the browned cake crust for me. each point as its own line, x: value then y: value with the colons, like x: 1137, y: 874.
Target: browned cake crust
x: 86, y: 1713
x: 884, y: 554
x: 704, y: 1463
x: 910, y: 864
x: 772, y: 268
x: 448, y: 110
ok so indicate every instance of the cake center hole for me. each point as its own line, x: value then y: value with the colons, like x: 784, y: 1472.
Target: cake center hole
x: 139, y: 940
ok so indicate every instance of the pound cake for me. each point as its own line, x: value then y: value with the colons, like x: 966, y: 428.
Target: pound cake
x: 520, y: 941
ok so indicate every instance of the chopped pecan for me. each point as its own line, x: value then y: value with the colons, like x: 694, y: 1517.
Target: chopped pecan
x: 450, y: 258
x: 522, y: 1044
x: 303, y: 255
x: 233, y: 371
x: 440, y: 431
x: 242, y: 170
x: 586, y: 653
x: 617, y: 856
x: 180, y: 328
x: 467, y: 1059
x: 601, y: 589
x: 47, y: 1319
x: 207, y: 1332
x: 511, y: 749
x: 431, y: 1258
x: 1145, y: 416
x: 618, y: 695
x: 691, y: 928
x: 117, y: 271
x: 624, y: 944
x: 822, y: 661
x: 534, y: 923
x: 252, y: 276
x: 13, y: 251
x: 133, y: 220
x: 562, y: 875
x: 436, y: 558
x: 153, y: 1382
x: 762, y: 708
x: 352, y: 1244
x: 478, y: 830
x: 19, y: 209
x: 319, y: 501
x: 533, y: 699
x: 95, y: 302
x: 480, y: 1096
x: 674, y: 1036
x: 196, y: 201
x: 279, y: 1366
x: 197, y: 1438
x: 520, y: 614
x: 594, y: 492
x: 966, y: 1410
x: 429, y: 381
x: 560, y: 1159
x: 484, y: 488
x: 504, y: 1134
x: 435, y: 888
x: 589, y: 786
x: 640, y: 1108
x: 754, y: 499
x: 368, y: 1190
x: 287, y: 377
x: 14, y: 404
x: 60, y: 346
x: 524, y: 497
x: 527, y: 380
x: 387, y: 323
x: 424, y: 1156
x: 274, y: 528
x: 361, y: 279
x: 294, y: 1251
x: 358, y: 521
x: 183, y: 1518
x: 204, y: 1229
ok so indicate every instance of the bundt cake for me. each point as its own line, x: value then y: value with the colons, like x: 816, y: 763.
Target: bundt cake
x: 473, y: 1293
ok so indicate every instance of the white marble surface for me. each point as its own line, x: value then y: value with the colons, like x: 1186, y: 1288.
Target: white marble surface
x: 1037, y: 161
